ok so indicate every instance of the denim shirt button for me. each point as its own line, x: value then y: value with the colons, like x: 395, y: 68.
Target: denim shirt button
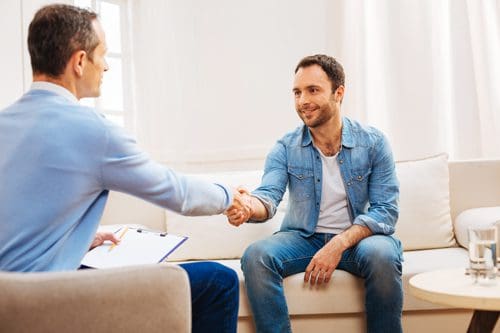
x: 360, y: 177
x: 341, y: 161
x: 300, y: 177
x: 349, y: 184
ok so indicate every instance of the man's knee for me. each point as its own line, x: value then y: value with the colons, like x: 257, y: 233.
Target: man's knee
x: 200, y: 273
x: 256, y: 255
x: 382, y: 255
x: 225, y: 275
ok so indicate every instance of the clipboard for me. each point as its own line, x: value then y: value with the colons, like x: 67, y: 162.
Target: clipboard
x: 138, y: 246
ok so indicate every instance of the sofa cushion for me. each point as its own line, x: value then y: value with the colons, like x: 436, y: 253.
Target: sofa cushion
x: 424, y: 220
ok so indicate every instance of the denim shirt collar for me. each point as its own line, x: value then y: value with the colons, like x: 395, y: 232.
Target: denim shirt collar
x: 347, y: 136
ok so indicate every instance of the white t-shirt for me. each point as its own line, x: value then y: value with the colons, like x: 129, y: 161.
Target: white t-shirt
x: 333, y: 211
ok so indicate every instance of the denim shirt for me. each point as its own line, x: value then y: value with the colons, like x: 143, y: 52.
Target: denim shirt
x: 367, y: 169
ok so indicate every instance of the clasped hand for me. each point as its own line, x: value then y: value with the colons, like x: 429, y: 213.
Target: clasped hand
x: 241, y: 209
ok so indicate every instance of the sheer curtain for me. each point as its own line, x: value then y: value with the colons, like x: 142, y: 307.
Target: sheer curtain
x: 424, y: 71
x: 213, y: 79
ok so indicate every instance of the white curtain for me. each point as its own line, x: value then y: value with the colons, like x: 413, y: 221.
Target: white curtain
x: 213, y: 79
x: 427, y: 72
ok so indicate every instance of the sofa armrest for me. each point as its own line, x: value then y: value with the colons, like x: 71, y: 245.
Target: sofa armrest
x: 148, y: 298
x: 479, y: 217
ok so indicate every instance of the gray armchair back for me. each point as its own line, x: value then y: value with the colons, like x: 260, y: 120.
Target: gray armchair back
x: 149, y: 298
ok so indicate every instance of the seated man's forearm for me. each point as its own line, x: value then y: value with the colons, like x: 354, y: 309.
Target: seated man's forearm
x: 259, y: 211
x: 350, y: 237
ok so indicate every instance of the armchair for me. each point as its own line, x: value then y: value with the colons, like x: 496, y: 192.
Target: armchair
x: 149, y: 298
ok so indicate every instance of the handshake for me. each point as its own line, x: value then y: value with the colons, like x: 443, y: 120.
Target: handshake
x: 242, y: 208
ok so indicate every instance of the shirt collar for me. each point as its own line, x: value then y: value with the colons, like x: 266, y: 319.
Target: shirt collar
x: 347, y: 138
x: 55, y: 88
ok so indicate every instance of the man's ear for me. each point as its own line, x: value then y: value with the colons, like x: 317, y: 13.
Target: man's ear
x: 339, y: 93
x: 78, y: 62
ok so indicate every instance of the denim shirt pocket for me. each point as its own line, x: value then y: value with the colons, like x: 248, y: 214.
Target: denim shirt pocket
x: 359, y: 184
x: 301, y: 183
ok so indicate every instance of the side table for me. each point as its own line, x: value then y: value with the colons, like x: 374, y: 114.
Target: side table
x: 453, y: 288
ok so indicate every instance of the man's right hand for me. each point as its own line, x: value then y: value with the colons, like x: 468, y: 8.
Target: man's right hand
x: 241, y: 209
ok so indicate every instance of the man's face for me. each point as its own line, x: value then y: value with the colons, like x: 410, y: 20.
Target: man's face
x: 95, y: 66
x: 314, y: 101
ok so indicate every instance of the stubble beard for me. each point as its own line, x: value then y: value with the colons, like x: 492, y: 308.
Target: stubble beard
x: 322, y: 118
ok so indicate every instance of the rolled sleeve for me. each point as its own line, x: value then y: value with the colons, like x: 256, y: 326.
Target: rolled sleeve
x: 274, y: 181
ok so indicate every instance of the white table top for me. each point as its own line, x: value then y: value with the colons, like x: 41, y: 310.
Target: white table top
x: 453, y: 288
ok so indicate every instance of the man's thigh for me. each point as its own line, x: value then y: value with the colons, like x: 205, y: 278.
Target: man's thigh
x: 376, y: 250
x: 289, y: 251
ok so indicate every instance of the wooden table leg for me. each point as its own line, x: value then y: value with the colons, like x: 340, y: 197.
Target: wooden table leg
x: 483, y: 321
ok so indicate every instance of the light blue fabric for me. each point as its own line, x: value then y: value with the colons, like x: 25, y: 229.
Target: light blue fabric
x: 368, y: 171
x: 58, y: 160
x: 367, y: 168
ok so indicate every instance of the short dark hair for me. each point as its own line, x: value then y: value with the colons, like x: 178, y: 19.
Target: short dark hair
x: 55, y: 33
x: 330, y: 65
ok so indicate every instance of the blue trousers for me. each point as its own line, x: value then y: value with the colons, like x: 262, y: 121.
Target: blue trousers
x: 377, y: 259
x: 214, y: 297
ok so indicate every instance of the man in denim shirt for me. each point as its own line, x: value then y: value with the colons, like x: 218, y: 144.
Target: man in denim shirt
x: 343, y: 206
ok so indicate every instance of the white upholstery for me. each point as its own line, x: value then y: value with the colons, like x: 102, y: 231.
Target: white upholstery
x: 424, y: 220
x: 478, y: 217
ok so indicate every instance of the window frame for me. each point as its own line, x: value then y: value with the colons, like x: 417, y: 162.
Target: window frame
x: 125, y: 55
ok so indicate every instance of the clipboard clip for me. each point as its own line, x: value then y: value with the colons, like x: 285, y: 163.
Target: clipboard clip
x: 161, y: 234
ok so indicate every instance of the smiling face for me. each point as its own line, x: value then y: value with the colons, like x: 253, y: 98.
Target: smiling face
x: 95, y: 66
x: 315, y: 102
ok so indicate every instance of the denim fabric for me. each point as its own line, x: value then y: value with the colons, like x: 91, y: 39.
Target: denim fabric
x: 214, y: 297
x: 376, y: 259
x: 367, y: 168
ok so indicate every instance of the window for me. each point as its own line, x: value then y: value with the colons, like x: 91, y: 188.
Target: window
x: 115, y: 101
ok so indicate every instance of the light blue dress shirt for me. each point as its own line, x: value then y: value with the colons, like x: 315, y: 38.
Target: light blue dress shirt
x: 58, y: 160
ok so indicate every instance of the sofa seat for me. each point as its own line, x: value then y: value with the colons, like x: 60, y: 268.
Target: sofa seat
x: 345, y: 292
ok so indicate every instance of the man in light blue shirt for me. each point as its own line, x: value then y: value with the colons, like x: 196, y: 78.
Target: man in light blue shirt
x: 342, y: 211
x: 58, y: 160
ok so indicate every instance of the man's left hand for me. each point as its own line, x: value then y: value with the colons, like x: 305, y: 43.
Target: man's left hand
x: 322, y: 265
x: 101, y: 237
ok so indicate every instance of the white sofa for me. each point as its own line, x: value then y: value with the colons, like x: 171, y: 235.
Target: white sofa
x: 438, y: 200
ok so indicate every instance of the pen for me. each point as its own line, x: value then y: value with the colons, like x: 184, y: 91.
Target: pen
x: 120, y: 238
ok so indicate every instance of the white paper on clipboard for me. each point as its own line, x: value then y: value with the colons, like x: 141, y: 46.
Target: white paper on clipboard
x: 137, y: 247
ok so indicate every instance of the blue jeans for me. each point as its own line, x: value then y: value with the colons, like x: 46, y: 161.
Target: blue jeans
x: 214, y: 297
x: 377, y: 259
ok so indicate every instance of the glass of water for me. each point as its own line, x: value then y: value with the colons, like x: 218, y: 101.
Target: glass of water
x: 483, y: 252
